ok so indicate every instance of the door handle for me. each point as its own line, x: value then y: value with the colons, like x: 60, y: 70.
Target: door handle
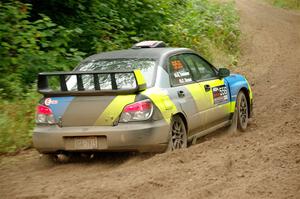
x: 207, y: 87
x: 180, y: 93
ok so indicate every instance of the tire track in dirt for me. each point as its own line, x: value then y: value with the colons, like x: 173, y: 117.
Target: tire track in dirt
x: 264, y: 162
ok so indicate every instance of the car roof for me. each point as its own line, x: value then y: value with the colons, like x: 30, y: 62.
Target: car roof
x: 153, y: 53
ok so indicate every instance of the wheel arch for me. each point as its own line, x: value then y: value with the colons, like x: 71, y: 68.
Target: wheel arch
x: 183, y: 117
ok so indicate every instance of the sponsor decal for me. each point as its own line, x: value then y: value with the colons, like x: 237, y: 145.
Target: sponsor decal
x: 177, y: 65
x: 49, y: 101
x: 181, y: 74
x: 184, y: 80
x: 220, y: 94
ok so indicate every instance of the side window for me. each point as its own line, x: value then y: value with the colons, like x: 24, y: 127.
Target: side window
x: 188, y: 59
x: 204, y: 69
x: 179, y: 73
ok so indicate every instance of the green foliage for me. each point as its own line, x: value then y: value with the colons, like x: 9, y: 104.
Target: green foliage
x: 205, y: 26
x: 30, y: 47
x: 54, y: 35
x: 199, y: 24
x: 107, y: 25
x: 16, y: 122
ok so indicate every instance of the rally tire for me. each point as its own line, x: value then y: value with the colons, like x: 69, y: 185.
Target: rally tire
x: 242, y: 112
x: 177, y: 134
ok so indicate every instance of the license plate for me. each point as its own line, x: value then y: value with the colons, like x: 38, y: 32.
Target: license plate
x: 86, y: 143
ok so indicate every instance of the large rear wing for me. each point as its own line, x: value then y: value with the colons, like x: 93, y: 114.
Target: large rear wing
x: 74, y: 83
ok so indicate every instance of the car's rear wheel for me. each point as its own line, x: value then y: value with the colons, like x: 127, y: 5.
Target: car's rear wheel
x: 242, y: 112
x: 178, y: 137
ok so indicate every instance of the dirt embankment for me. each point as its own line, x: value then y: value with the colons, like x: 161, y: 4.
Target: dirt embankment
x: 264, y: 162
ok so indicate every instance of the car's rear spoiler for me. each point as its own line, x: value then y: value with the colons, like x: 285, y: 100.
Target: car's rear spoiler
x: 44, y: 88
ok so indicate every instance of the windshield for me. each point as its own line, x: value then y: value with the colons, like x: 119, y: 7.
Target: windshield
x: 123, y: 80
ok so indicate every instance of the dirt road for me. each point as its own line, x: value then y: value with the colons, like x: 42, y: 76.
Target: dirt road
x: 264, y: 162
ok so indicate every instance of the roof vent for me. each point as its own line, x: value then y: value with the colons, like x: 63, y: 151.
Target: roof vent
x: 149, y: 44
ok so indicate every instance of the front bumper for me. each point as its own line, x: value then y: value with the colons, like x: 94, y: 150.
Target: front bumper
x: 142, y: 137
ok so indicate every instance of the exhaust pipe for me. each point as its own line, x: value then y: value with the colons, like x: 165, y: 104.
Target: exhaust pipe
x: 63, y: 158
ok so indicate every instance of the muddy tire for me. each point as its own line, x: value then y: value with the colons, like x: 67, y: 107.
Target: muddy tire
x: 242, y: 112
x: 177, y: 134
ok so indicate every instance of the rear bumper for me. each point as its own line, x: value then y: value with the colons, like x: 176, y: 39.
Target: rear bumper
x: 142, y: 137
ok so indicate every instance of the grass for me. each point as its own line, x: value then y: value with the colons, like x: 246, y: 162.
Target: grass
x: 16, y: 123
x: 289, y: 4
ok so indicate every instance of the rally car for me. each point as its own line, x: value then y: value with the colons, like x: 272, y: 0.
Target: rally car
x: 150, y: 98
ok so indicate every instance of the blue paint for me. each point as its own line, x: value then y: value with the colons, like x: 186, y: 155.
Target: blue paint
x: 234, y: 83
x: 61, y: 106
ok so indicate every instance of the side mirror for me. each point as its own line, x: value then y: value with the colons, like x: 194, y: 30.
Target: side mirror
x: 223, y: 72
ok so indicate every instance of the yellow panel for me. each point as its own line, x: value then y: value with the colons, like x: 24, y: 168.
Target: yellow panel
x: 232, y: 106
x: 199, y: 95
x: 139, y: 77
x: 204, y: 99
x: 213, y: 83
x: 250, y: 91
x: 216, y: 82
x: 114, y: 109
x: 162, y: 102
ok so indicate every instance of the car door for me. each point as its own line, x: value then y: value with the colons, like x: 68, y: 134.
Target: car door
x: 214, y: 99
x: 188, y: 92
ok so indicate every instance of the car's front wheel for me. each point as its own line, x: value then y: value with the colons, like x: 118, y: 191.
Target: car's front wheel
x: 178, y: 137
x: 242, y: 112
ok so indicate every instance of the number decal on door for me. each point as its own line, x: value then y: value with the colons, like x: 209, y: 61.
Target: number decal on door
x: 220, y: 94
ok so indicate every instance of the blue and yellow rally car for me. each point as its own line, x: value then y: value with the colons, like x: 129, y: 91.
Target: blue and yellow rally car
x: 150, y: 98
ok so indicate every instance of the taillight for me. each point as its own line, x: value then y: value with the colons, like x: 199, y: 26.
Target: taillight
x: 44, y: 115
x: 137, y: 111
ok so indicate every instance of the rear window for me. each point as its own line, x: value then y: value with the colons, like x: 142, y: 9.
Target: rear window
x: 124, y: 81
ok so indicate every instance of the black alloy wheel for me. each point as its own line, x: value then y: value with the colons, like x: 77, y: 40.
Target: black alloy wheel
x: 178, y: 137
x: 242, y: 111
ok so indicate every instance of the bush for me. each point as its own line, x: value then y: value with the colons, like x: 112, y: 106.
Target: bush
x: 16, y: 122
x: 107, y: 25
x: 30, y: 47
x: 206, y: 26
